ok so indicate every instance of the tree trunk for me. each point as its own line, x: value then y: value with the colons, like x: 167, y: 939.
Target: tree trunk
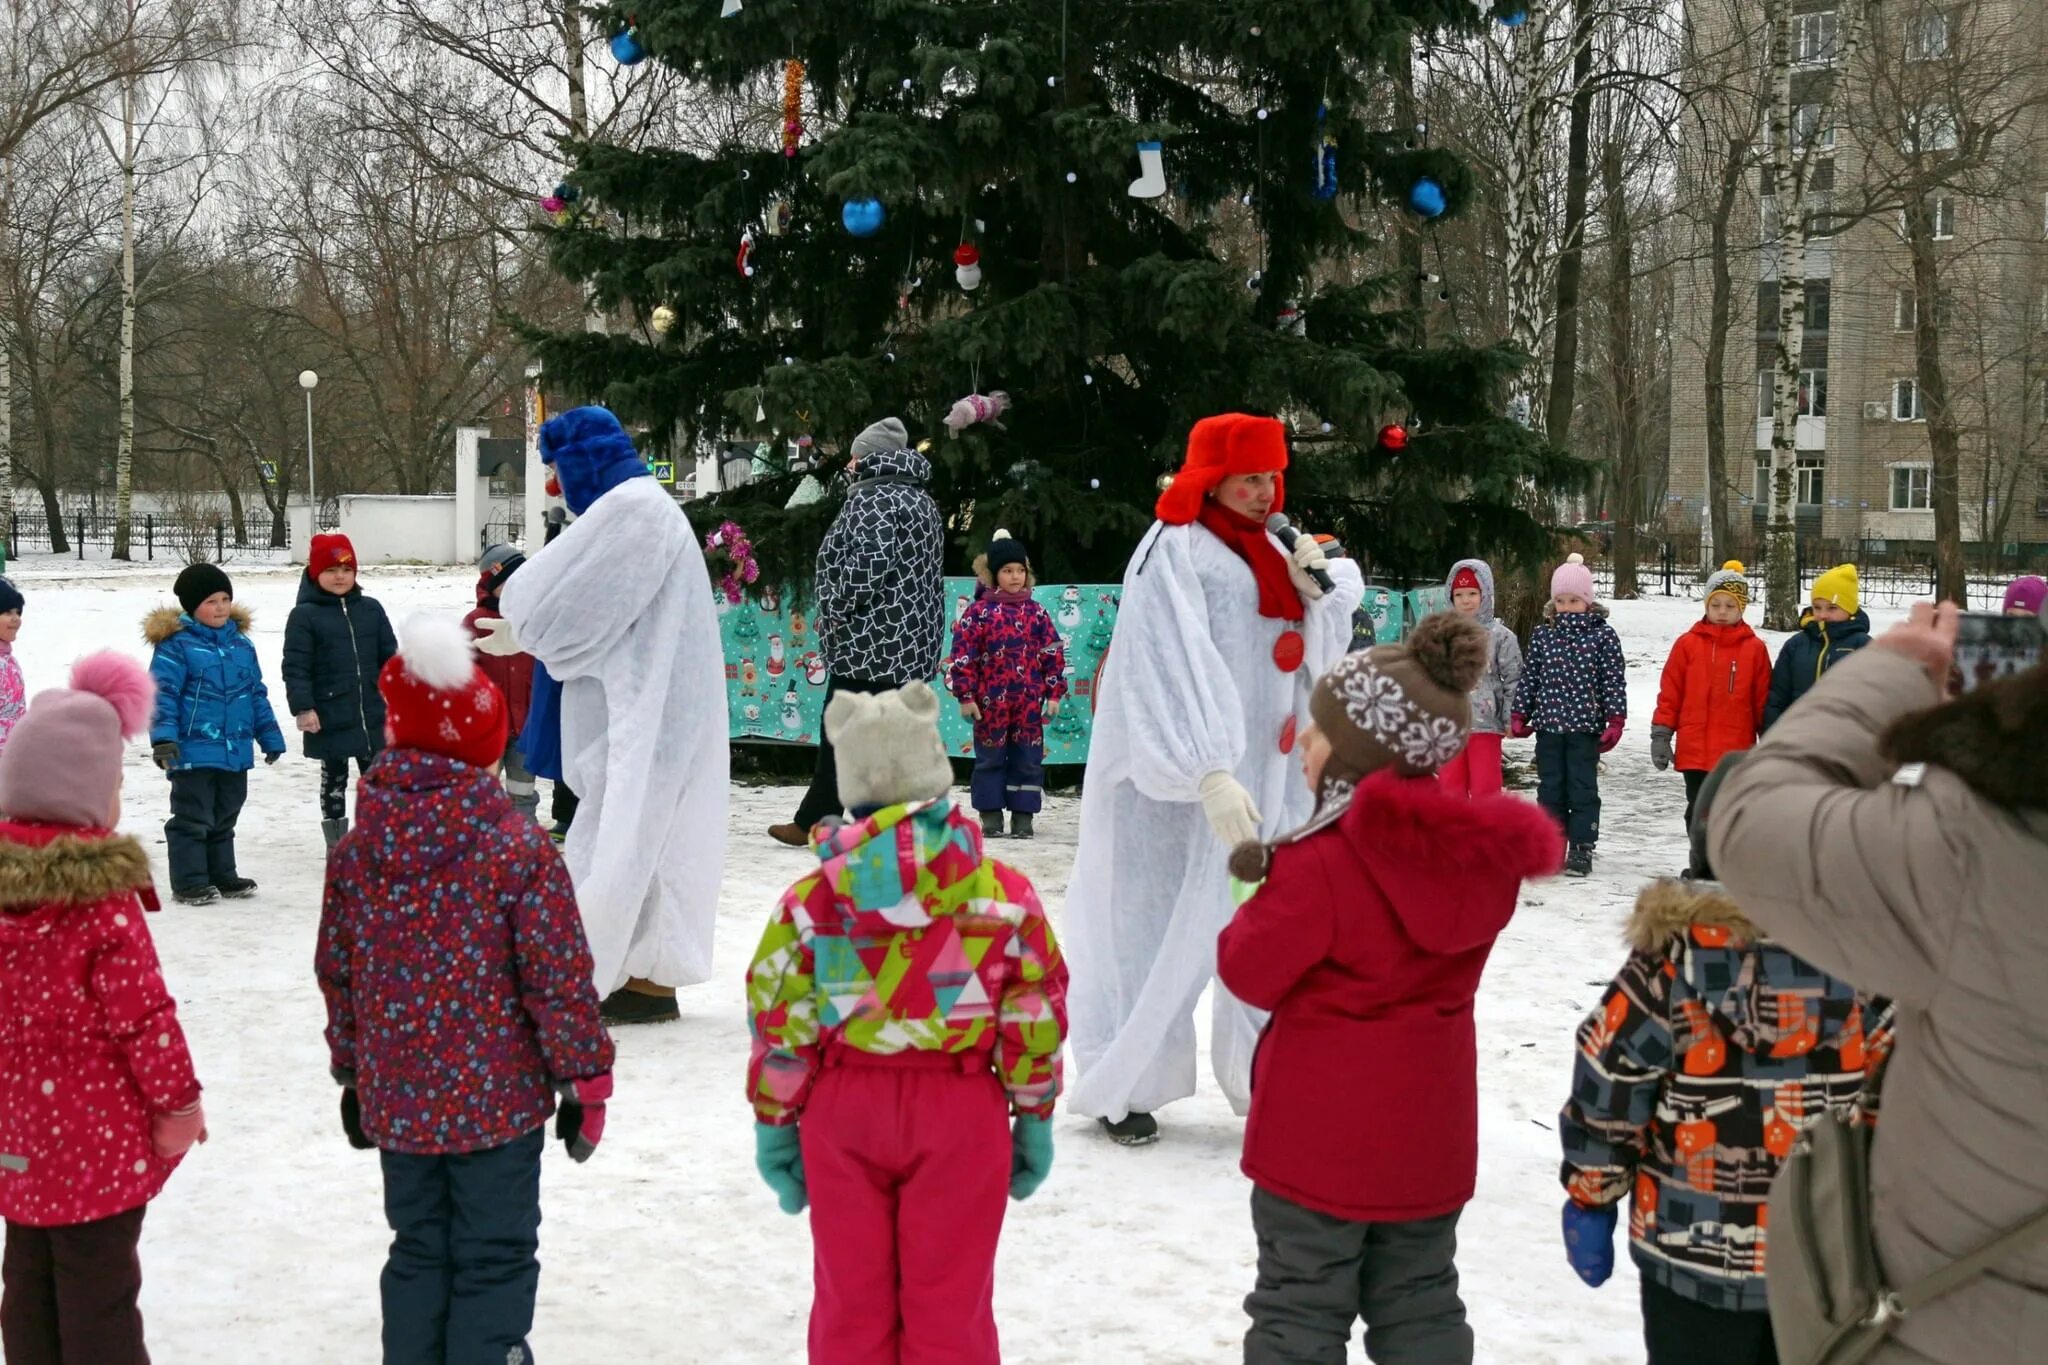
x: 53, y: 516
x: 1782, y: 598
x: 1720, y: 318
x: 124, y: 453
x: 1522, y: 213
x: 1564, y: 365
x: 1626, y: 504
x: 1944, y: 440
x: 6, y: 364
x: 1408, y: 243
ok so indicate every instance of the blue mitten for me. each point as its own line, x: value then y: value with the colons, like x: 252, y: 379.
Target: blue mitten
x: 1589, y: 1241
x: 779, y: 1157
x: 1030, y: 1155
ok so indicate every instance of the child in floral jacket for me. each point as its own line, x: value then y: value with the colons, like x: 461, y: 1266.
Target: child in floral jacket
x: 907, y: 998
x: 98, y: 1102
x: 1009, y: 673
x: 13, y: 691
x: 1573, y: 697
x: 460, y: 1008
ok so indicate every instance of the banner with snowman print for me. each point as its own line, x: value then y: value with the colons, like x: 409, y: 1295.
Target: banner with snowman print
x: 775, y: 672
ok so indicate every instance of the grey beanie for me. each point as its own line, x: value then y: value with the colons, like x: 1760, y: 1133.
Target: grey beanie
x: 887, y: 434
x: 888, y: 746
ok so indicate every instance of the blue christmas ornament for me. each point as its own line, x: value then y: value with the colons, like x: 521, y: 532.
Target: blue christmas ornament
x: 1426, y: 197
x: 862, y: 217
x: 1515, y: 20
x: 626, y: 49
x: 1326, y: 156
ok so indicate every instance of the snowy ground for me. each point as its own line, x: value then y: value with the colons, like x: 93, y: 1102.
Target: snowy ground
x: 665, y: 1247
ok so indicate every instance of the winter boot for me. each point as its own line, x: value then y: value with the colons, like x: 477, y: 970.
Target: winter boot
x: 333, y: 829
x: 789, y: 834
x: 236, y: 888
x: 1578, y: 860
x: 1020, y: 826
x: 991, y: 824
x: 1132, y: 1130
x: 198, y: 895
x: 628, y: 1006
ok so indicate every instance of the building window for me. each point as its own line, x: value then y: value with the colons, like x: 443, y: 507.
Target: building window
x: 1813, y: 393
x: 1767, y: 218
x: 1906, y: 309
x: 1941, y: 218
x: 1933, y: 129
x: 2042, y: 384
x: 1912, y: 488
x: 1927, y: 37
x: 1906, y: 401
x: 1816, y: 38
x: 1807, y: 130
x: 1809, y: 479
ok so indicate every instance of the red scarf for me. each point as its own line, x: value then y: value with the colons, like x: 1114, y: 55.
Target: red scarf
x: 1278, y: 597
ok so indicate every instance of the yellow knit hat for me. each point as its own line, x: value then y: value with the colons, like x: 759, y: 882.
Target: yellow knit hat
x: 1730, y: 579
x: 1837, y: 585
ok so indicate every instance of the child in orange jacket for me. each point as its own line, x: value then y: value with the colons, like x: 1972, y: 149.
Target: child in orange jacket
x: 1716, y: 682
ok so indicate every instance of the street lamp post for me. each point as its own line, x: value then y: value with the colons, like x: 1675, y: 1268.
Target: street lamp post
x: 309, y: 381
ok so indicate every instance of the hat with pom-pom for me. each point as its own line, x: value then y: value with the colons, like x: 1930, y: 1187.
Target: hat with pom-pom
x: 63, y: 764
x: 1004, y: 551
x: 1572, y: 578
x: 1732, y: 579
x: 435, y: 697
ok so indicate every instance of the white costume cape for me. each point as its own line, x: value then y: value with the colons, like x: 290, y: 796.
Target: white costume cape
x: 619, y: 609
x: 1190, y: 687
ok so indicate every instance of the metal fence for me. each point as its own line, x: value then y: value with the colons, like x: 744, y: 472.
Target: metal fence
x: 150, y: 534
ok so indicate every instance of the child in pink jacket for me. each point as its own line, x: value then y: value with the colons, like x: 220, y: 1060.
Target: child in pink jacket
x: 13, y: 692
x: 98, y: 1102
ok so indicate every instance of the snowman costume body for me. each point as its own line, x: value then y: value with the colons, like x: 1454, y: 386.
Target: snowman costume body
x: 1194, y: 684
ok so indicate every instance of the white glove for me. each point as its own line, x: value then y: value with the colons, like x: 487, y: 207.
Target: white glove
x: 1229, y: 808
x: 498, y: 637
x: 1308, y: 557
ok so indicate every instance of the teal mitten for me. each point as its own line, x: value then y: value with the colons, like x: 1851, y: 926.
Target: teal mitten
x: 780, y: 1160
x: 1030, y: 1155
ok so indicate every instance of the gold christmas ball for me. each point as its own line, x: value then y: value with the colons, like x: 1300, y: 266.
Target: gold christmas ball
x: 662, y: 319
x: 1165, y: 482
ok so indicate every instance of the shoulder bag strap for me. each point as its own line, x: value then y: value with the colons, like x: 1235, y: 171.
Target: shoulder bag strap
x: 1968, y: 1267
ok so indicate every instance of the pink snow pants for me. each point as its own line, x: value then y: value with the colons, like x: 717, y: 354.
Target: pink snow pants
x: 1476, y: 769
x: 907, y: 1162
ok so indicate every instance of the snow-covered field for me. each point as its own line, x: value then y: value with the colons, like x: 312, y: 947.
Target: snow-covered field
x: 666, y: 1247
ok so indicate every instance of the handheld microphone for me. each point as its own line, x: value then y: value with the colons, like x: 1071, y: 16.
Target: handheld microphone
x: 1284, y: 530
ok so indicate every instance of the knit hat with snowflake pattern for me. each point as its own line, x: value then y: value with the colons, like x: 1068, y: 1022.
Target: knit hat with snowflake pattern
x: 435, y: 697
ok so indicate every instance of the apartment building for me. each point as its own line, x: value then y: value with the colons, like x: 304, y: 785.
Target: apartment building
x: 1863, y: 473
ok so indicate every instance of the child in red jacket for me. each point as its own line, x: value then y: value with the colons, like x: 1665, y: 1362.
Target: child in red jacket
x: 511, y: 674
x: 1367, y: 941
x: 1715, y: 685
x: 460, y: 1005
x: 98, y: 1103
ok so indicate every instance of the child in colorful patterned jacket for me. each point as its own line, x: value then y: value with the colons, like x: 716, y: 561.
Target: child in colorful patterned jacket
x: 460, y: 1007
x: 1573, y: 697
x: 13, y: 691
x: 1008, y: 671
x: 906, y: 997
x: 1695, y: 1073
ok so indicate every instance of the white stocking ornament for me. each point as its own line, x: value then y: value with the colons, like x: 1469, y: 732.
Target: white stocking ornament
x: 1151, y: 183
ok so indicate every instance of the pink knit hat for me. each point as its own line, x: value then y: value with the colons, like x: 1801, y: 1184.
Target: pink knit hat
x: 1574, y: 577
x: 2026, y: 594
x: 63, y: 764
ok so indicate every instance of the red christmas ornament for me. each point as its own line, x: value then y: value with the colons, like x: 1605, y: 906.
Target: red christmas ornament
x: 966, y: 254
x: 1393, y: 436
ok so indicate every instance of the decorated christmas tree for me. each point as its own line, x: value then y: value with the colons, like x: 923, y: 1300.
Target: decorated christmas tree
x: 1049, y: 235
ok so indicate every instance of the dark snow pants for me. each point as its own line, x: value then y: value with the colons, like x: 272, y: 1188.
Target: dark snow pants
x: 1318, y: 1274
x: 334, y: 785
x: 1694, y: 780
x: 1568, y: 782
x: 200, y: 835
x: 1009, y: 777
x: 823, y: 797
x: 459, y: 1284
x: 70, y: 1293
x: 1680, y: 1331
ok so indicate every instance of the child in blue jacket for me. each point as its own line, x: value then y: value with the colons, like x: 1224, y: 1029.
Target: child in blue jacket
x: 1573, y: 696
x: 210, y: 703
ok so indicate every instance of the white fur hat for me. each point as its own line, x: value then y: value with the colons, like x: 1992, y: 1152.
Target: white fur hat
x: 888, y: 746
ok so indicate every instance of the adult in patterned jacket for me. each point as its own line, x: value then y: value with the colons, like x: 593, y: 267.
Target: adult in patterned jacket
x: 1009, y: 672
x: 881, y: 595
x: 459, y: 1007
x: 907, y: 998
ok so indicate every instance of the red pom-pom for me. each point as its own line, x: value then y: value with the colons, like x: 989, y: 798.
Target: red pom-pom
x: 122, y: 683
x: 1393, y: 436
x: 966, y: 254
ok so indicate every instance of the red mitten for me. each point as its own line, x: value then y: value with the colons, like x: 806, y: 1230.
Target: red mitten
x: 579, y: 1122
x: 1611, y: 736
x: 1518, y: 726
x: 174, y: 1133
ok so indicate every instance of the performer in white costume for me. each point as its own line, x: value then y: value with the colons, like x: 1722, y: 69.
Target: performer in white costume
x: 618, y: 607
x: 1219, y: 637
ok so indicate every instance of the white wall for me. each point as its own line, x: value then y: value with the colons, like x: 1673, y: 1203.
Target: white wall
x: 387, y: 529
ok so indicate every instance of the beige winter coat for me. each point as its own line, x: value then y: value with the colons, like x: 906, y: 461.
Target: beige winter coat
x: 1933, y: 890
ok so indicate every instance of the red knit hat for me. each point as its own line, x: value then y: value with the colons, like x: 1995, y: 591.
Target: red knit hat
x: 329, y: 551
x: 1466, y: 577
x: 437, y: 699
x: 1230, y: 443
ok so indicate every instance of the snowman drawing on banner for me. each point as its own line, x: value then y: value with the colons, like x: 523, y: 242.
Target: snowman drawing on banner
x: 792, y: 711
x: 1069, y: 614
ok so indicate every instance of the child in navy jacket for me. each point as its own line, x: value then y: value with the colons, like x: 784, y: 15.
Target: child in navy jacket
x: 1573, y: 697
x: 460, y: 1006
x: 1008, y: 671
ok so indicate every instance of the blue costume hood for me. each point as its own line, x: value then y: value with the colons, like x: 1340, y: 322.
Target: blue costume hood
x: 591, y: 455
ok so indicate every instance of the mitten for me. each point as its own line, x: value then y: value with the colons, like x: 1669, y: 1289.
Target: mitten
x: 174, y: 1133
x: 165, y: 754
x: 1030, y: 1154
x: 498, y: 638
x: 1518, y: 726
x: 779, y: 1157
x: 272, y: 757
x: 1589, y: 1241
x: 970, y: 710
x: 1230, y: 809
x: 1611, y: 736
x: 352, y: 1121
x: 579, y: 1121
x: 1660, y: 747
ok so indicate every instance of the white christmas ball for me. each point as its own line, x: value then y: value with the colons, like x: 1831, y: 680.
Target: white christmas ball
x: 662, y: 319
x: 969, y: 277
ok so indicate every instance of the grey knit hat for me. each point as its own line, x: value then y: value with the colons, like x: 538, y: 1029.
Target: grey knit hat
x: 888, y: 746
x: 887, y: 434
x: 1732, y: 579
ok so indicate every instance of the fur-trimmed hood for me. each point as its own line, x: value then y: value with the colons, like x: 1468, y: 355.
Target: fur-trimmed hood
x: 161, y: 624
x: 1596, y: 609
x: 1671, y: 908
x: 1995, y: 739
x: 43, y: 865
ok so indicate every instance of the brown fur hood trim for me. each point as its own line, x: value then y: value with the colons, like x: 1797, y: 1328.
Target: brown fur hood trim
x: 988, y: 580
x: 71, y: 870
x: 161, y: 624
x: 1995, y: 739
x: 1594, y: 608
x: 1670, y: 908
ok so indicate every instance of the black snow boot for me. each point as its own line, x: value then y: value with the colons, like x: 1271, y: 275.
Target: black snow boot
x: 625, y: 1006
x: 198, y: 895
x: 333, y: 830
x: 1578, y: 860
x: 991, y: 824
x: 1132, y: 1130
x: 236, y: 888
x: 1020, y: 826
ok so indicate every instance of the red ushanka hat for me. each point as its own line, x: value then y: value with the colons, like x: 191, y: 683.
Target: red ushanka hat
x: 437, y: 699
x: 1218, y: 447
